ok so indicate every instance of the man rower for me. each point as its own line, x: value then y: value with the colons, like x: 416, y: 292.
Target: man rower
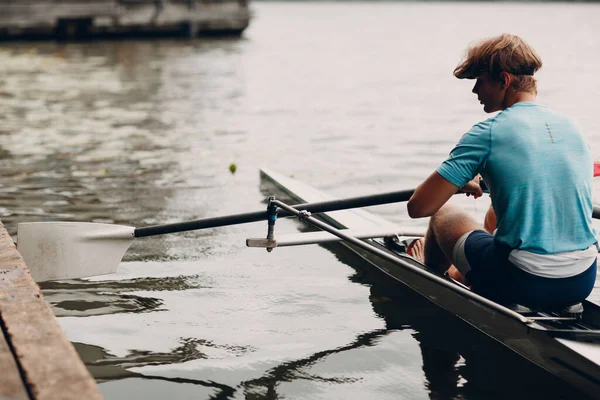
x: 538, y: 248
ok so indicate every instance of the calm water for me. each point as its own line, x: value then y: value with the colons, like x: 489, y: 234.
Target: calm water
x: 353, y: 98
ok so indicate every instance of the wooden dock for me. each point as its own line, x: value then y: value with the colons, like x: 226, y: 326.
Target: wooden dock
x: 37, y: 360
x: 92, y: 18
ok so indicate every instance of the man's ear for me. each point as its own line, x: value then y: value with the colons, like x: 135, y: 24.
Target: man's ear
x: 505, y: 79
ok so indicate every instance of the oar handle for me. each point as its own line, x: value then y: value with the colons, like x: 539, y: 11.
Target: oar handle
x: 318, y: 207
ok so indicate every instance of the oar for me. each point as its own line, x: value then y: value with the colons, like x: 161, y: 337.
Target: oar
x: 300, y: 239
x: 70, y: 250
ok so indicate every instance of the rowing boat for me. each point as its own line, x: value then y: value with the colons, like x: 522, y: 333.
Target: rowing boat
x: 566, y: 344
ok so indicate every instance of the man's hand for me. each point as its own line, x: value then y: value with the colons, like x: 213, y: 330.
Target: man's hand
x: 472, y: 188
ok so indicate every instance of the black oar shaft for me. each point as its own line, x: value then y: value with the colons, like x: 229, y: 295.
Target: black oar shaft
x: 318, y: 207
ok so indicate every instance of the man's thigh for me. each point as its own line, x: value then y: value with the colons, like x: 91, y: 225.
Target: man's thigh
x: 482, y: 263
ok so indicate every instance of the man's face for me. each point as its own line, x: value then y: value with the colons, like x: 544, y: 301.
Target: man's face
x: 490, y: 92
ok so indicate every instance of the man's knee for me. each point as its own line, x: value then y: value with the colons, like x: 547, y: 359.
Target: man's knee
x: 449, y: 224
x: 448, y: 217
x: 444, y: 215
x: 489, y: 223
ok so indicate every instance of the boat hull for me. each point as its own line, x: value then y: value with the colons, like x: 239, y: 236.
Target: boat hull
x: 564, y: 358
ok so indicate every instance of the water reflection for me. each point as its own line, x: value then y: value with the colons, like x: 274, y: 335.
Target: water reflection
x: 105, y: 367
x: 87, y: 298
x: 265, y: 387
x: 459, y: 362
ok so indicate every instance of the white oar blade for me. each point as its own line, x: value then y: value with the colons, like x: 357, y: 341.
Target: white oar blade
x: 299, y: 239
x: 70, y: 250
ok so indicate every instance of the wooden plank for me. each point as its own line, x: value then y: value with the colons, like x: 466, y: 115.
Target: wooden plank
x: 11, y: 384
x: 50, y: 366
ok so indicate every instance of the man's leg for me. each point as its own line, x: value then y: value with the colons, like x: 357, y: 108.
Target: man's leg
x: 433, y: 256
x: 445, y: 228
x: 489, y: 223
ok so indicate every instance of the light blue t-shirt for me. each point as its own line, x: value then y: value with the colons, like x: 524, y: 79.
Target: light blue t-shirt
x: 539, y: 170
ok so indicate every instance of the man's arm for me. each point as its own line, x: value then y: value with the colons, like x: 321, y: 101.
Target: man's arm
x: 434, y: 192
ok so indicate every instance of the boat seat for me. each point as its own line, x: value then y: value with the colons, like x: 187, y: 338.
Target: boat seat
x: 572, y: 311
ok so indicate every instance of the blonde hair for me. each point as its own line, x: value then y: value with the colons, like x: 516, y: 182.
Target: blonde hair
x: 504, y: 53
